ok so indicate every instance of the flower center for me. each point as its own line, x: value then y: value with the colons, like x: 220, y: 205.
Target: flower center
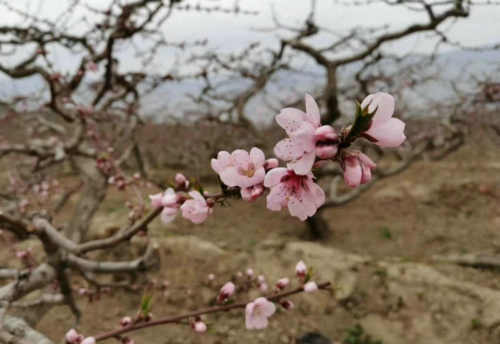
x: 249, y: 171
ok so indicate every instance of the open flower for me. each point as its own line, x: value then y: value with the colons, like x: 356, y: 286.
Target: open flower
x: 357, y: 169
x: 257, y: 312
x: 385, y: 131
x: 196, y: 209
x: 169, y: 200
x: 297, y: 192
x: 240, y: 168
x: 306, y: 138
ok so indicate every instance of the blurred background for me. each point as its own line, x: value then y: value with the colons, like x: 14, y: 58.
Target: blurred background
x: 97, y: 95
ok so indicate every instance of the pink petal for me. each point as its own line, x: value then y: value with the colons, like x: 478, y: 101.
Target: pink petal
x: 304, y: 136
x: 388, y: 134
x: 352, y: 172
x: 383, y: 102
x: 312, y: 111
x: 196, y: 195
x: 303, y: 165
x: 240, y: 158
x: 366, y: 175
x: 290, y: 119
x: 223, y: 160
x: 365, y: 160
x: 317, y: 193
x: 168, y: 214
x: 257, y: 156
x: 288, y: 149
x: 277, y: 198
x: 274, y: 176
x: 302, y: 206
x: 230, y: 176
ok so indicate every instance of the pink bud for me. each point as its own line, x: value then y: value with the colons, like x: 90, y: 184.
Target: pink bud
x: 282, y: 283
x: 326, y: 152
x: 156, y: 200
x: 269, y: 164
x: 200, y: 327
x: 72, y: 337
x: 287, y: 304
x: 263, y: 287
x: 310, y: 287
x: 325, y: 133
x: 89, y: 340
x: 261, y: 279
x: 226, y: 291
x: 126, y: 321
x: 250, y: 272
x: 211, y: 277
x: 301, y: 269
x: 181, y: 180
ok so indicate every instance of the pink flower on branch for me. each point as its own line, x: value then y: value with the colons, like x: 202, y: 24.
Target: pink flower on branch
x: 169, y: 200
x: 73, y: 337
x: 307, y: 139
x: 257, y: 312
x: 301, y: 269
x: 384, y: 131
x: 196, y: 209
x: 240, y: 168
x: 310, y: 287
x: 357, y: 169
x: 297, y: 192
x: 200, y: 327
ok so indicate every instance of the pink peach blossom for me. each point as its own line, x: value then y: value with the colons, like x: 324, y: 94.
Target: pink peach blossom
x: 386, y: 130
x: 240, y: 168
x: 257, y: 312
x: 200, y: 327
x: 357, y: 169
x: 73, y: 337
x: 301, y: 269
x: 181, y: 181
x: 283, y: 283
x: 305, y: 137
x: 226, y: 291
x: 196, y: 209
x: 125, y: 321
x: 297, y: 192
x: 310, y: 287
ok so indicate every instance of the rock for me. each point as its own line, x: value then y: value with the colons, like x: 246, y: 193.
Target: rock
x: 190, y: 245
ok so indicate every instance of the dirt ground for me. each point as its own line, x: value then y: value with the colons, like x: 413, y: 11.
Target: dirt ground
x: 433, y: 208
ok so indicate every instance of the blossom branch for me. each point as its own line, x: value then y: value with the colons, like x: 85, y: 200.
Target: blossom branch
x: 216, y: 309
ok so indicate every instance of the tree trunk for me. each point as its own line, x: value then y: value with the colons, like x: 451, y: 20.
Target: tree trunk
x: 318, y: 227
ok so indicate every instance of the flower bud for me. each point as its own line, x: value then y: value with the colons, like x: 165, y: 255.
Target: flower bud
x: 325, y: 133
x: 261, y: 279
x: 287, y: 304
x: 73, y: 337
x: 301, y: 269
x: 310, y: 287
x: 226, y: 291
x: 282, y: 283
x: 249, y: 272
x: 263, y: 287
x: 269, y: 164
x: 89, y: 340
x: 125, y: 321
x: 181, y: 181
x: 200, y: 327
x: 326, y: 151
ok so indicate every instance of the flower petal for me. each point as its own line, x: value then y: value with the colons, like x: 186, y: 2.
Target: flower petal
x: 274, y: 176
x: 312, y: 111
x: 290, y: 119
x: 257, y: 157
x: 388, y: 134
x: 383, y: 102
x: 304, y: 164
x: 288, y: 149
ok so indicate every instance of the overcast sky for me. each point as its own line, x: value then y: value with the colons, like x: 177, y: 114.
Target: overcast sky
x: 229, y: 31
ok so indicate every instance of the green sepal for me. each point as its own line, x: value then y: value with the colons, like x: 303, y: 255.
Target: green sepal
x: 362, y: 123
